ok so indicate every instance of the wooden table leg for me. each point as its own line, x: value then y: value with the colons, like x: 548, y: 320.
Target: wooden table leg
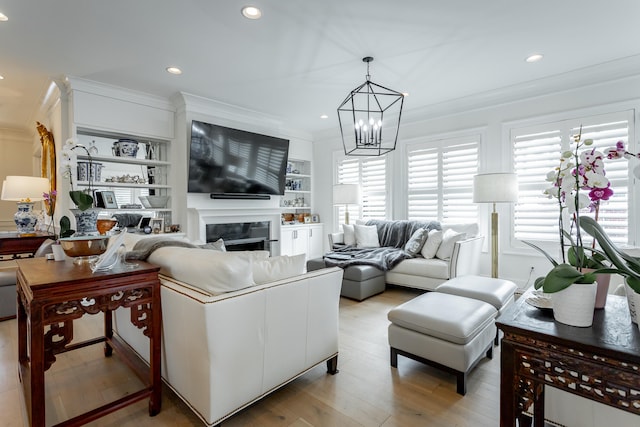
x: 37, y: 366
x: 108, y: 332
x: 538, y: 405
x: 507, y: 386
x: 155, y: 352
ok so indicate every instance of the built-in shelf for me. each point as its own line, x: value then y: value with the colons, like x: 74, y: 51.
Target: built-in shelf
x: 125, y: 160
x: 120, y: 185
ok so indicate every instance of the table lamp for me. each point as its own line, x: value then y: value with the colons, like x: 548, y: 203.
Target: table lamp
x: 25, y: 190
x: 495, y: 188
x: 346, y: 194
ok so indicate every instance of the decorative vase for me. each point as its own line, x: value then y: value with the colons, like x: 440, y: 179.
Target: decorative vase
x: 574, y: 305
x: 86, y: 221
x: 632, y: 302
x: 603, y: 281
x: 25, y: 219
x: 636, y: 298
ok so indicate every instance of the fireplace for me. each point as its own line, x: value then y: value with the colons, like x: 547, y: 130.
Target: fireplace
x: 241, y: 236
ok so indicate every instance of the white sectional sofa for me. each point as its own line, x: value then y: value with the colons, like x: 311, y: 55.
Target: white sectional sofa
x: 429, y: 273
x: 221, y: 351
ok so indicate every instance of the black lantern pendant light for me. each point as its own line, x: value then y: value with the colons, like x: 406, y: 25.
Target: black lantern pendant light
x: 370, y: 118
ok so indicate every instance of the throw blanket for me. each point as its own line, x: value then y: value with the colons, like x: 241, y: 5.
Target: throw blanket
x: 392, y: 235
x: 383, y: 258
x: 144, y: 247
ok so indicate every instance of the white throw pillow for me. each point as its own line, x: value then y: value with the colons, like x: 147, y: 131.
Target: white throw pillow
x: 213, y: 271
x: 432, y: 244
x: 416, y: 242
x: 349, y: 234
x: 366, y: 236
x: 449, y: 238
x: 278, y: 268
x: 218, y: 245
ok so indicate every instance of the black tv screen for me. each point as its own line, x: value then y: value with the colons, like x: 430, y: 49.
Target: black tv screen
x: 231, y: 161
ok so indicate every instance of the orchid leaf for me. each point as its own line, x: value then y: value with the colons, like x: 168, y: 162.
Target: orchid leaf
x: 542, y: 251
x: 563, y: 276
x: 82, y: 200
x: 65, y: 227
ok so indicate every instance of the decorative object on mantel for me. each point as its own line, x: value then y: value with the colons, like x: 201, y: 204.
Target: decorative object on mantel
x: 495, y: 188
x: 369, y: 118
x: 24, y: 190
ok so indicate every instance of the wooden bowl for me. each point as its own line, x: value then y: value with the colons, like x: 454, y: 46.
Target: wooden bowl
x: 84, y: 246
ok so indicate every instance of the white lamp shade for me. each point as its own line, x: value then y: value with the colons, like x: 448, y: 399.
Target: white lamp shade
x: 20, y: 188
x: 346, y: 194
x: 495, y: 188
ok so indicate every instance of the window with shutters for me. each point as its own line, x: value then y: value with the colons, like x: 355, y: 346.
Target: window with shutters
x: 370, y: 173
x: 537, y: 150
x: 440, y: 180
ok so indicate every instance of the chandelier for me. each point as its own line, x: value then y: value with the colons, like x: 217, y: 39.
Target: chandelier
x: 370, y: 118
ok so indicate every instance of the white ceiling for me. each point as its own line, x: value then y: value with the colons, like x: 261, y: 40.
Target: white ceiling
x: 303, y: 57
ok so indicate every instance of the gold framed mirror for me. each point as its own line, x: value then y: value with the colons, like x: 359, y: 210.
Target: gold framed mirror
x: 48, y: 162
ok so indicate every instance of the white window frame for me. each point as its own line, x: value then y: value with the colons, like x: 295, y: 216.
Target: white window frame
x: 440, y: 143
x: 630, y: 109
x: 355, y: 213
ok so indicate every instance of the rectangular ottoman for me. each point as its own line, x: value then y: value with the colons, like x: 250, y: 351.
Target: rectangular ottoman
x: 358, y: 282
x: 449, y: 332
x: 497, y: 292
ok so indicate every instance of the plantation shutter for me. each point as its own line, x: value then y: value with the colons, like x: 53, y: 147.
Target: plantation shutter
x: 537, y: 151
x: 371, y: 175
x: 440, y: 180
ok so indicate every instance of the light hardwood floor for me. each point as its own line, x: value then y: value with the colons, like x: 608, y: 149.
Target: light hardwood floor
x: 366, y: 392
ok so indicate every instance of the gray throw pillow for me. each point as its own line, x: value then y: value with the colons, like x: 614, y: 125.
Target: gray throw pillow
x: 416, y: 242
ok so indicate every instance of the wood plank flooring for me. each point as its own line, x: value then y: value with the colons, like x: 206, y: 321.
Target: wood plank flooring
x: 366, y: 392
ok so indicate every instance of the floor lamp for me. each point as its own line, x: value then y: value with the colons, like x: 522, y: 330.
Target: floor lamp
x: 495, y: 188
x: 346, y: 194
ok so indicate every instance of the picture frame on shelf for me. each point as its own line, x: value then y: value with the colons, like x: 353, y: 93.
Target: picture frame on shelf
x: 157, y: 225
x: 307, y: 219
x: 315, y: 218
x: 106, y: 199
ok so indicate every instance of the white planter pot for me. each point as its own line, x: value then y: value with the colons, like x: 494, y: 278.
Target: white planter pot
x: 636, y: 298
x: 632, y: 301
x: 574, y: 305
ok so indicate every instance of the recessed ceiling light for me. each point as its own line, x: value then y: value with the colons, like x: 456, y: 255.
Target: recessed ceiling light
x: 534, y: 58
x: 324, y: 116
x: 174, y: 70
x: 1, y: 77
x: 3, y: 17
x: 405, y: 93
x: 251, y: 12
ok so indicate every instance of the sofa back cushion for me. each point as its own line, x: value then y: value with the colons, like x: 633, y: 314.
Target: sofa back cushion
x: 395, y: 234
x: 215, y: 272
x: 349, y: 234
x: 278, y: 268
x: 469, y: 230
x: 366, y: 236
x: 449, y: 239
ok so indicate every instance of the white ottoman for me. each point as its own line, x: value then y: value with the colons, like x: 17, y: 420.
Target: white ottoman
x: 449, y: 332
x: 497, y: 292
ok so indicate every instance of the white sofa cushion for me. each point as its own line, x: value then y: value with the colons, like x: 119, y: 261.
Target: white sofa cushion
x: 278, y: 268
x: 218, y: 245
x: 470, y: 230
x: 432, y: 244
x: 449, y: 239
x: 433, y: 267
x: 349, y: 234
x: 366, y: 236
x: 215, y: 272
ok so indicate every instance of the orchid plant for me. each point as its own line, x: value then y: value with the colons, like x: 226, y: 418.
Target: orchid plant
x: 581, y: 168
x: 82, y: 198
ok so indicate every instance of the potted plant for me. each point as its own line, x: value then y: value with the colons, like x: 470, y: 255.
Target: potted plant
x: 86, y: 216
x: 625, y: 265
x: 580, y: 265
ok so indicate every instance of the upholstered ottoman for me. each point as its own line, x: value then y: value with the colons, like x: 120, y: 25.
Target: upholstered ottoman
x: 358, y: 282
x: 449, y: 332
x: 497, y: 292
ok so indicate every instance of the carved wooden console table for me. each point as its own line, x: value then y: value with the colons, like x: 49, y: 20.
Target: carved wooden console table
x: 601, y: 363
x: 52, y: 294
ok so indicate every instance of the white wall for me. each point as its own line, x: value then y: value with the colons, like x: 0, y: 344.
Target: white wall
x: 491, y: 120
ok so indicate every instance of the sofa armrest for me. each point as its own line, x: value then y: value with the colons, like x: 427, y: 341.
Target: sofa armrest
x: 466, y: 257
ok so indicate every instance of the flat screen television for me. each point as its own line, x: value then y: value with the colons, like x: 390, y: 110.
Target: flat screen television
x: 229, y: 161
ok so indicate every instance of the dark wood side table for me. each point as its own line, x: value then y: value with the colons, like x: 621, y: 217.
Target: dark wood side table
x: 13, y: 245
x: 601, y: 363
x: 53, y: 294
